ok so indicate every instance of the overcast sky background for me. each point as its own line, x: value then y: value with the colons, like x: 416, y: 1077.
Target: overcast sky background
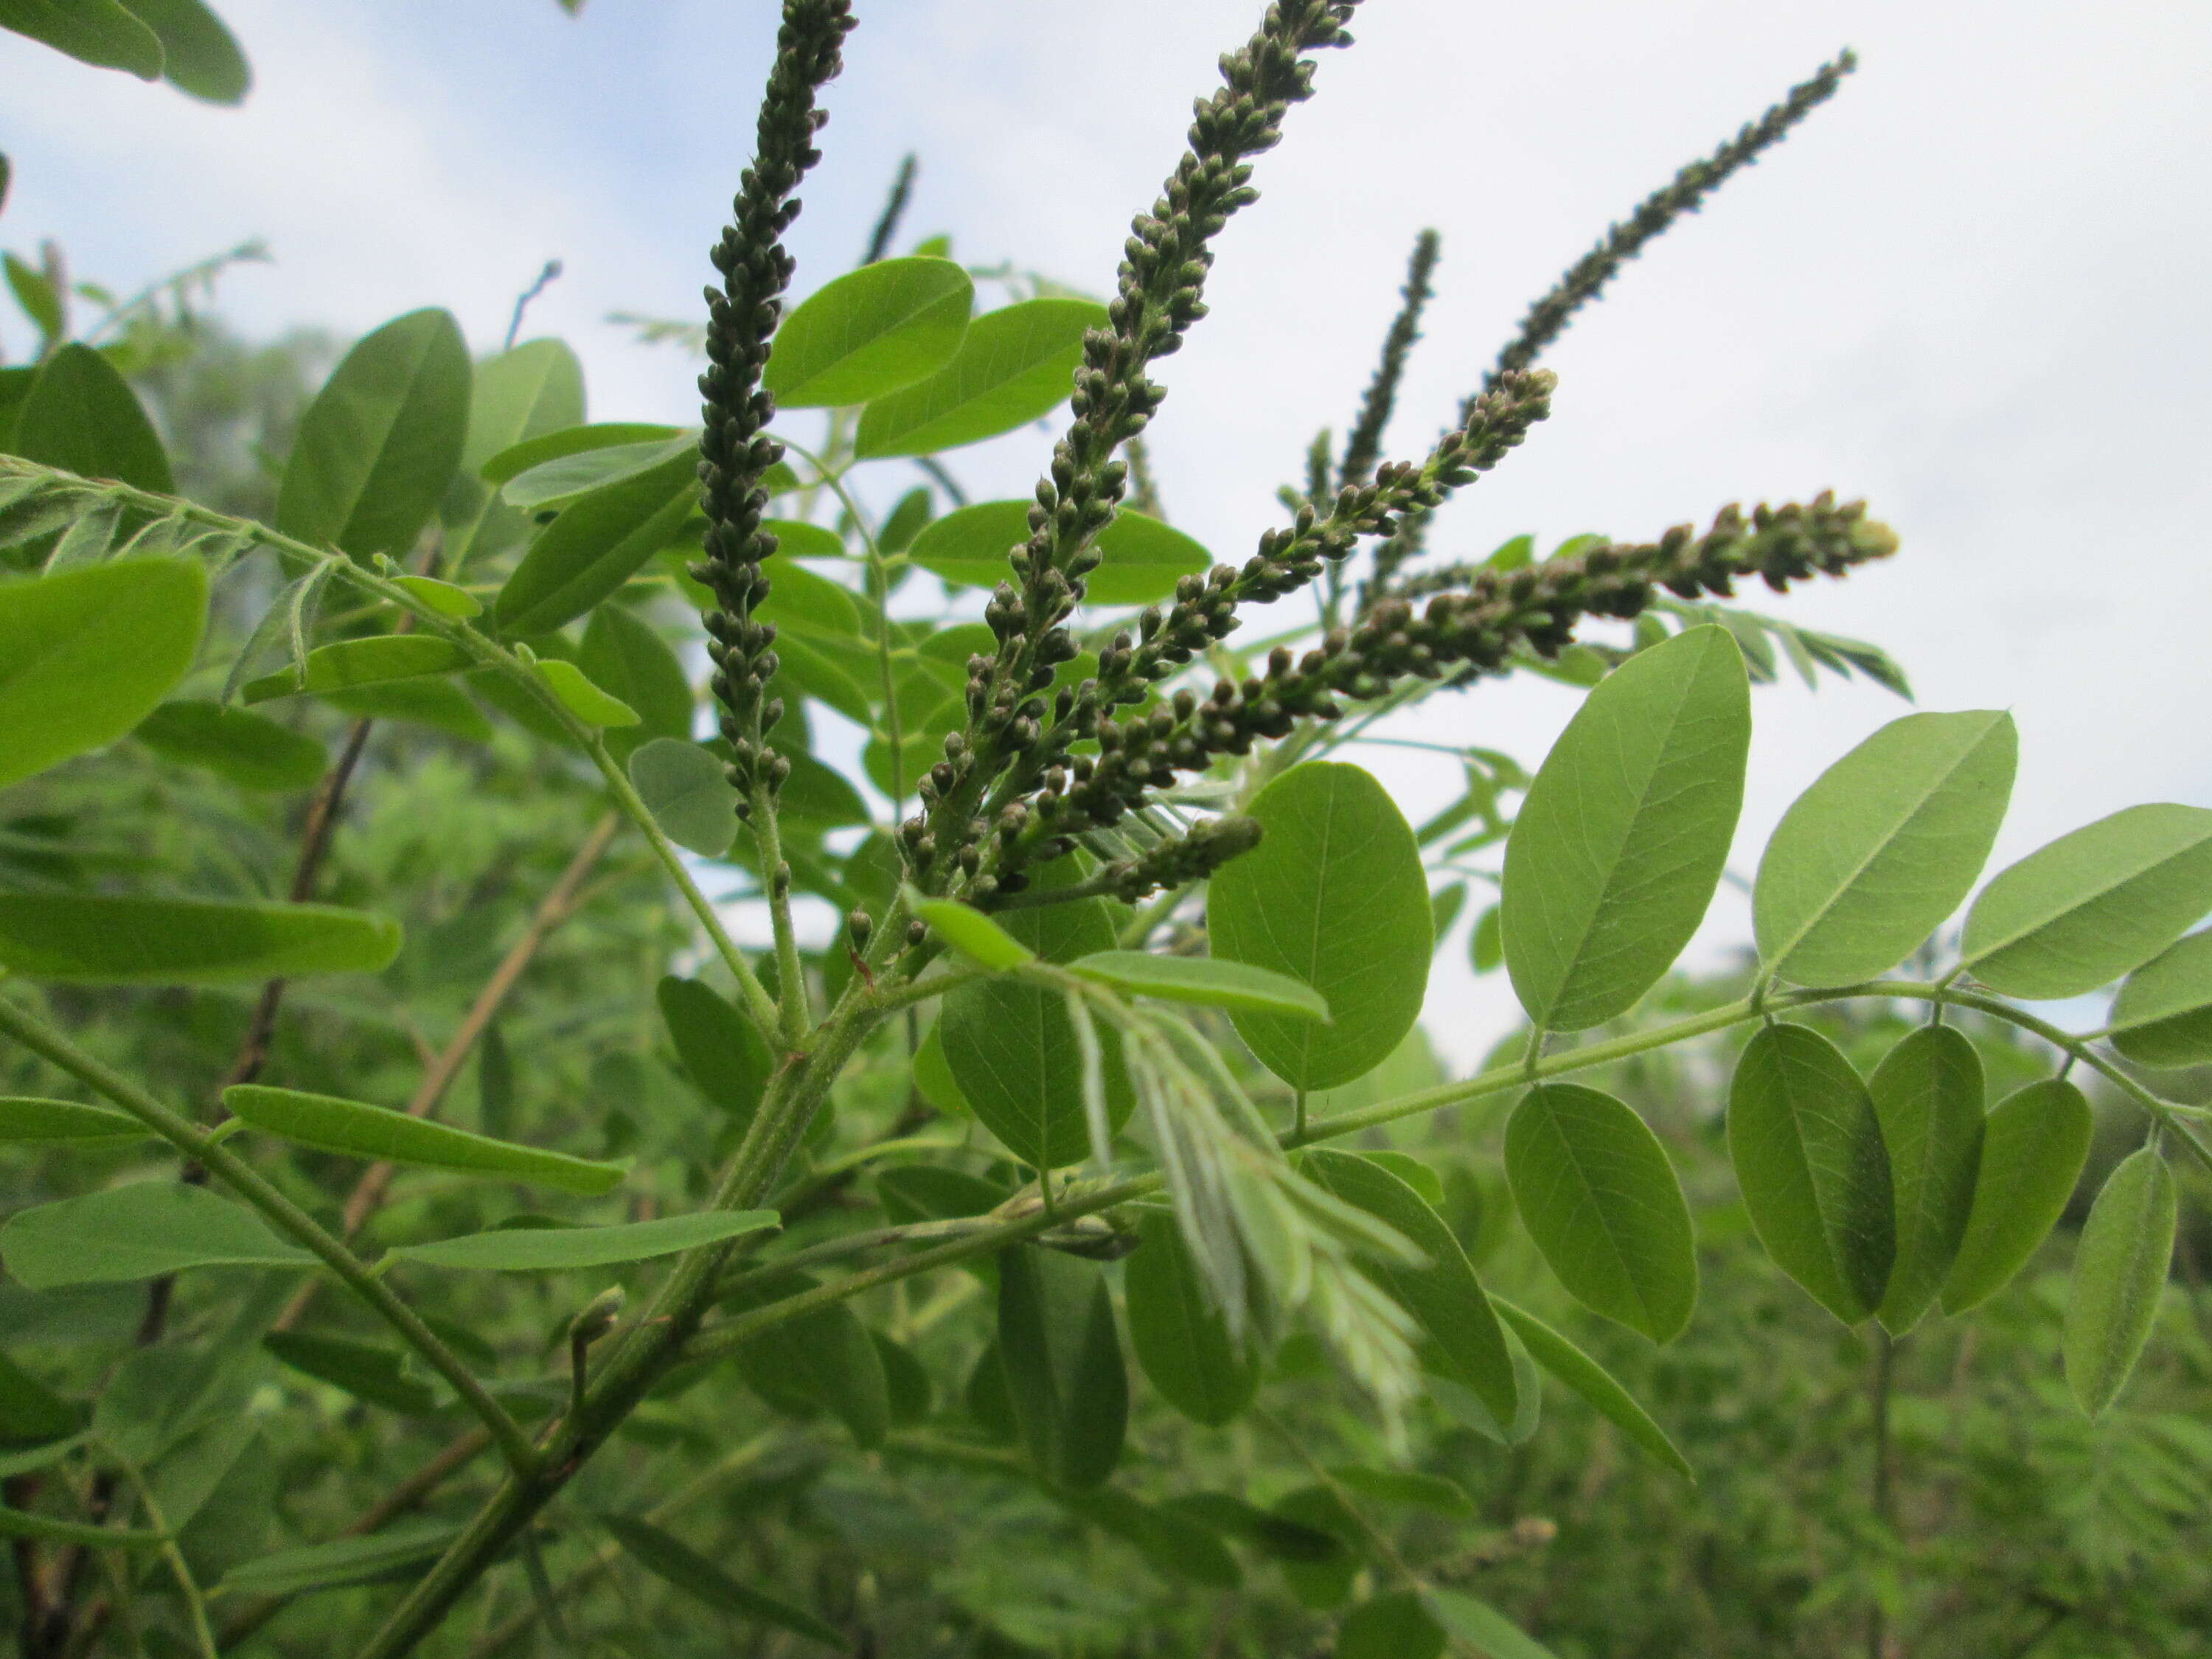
x: 1974, y: 288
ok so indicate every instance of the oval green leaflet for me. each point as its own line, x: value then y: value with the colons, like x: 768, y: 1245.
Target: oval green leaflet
x: 724, y: 1057
x: 1141, y: 559
x: 1061, y: 1354
x: 2119, y: 1274
x: 1928, y: 1094
x: 562, y: 1249
x: 869, y: 332
x: 2092, y: 905
x: 688, y: 792
x: 625, y: 656
x: 199, y: 56
x: 2162, y: 1017
x: 1444, y: 1296
x: 85, y: 655
x: 99, y: 32
x: 1808, y: 1150
x: 1010, y: 1044
x: 1014, y: 366
x: 1595, y: 1187
x: 2034, y: 1143
x: 1209, y: 980
x: 248, y: 750
x: 82, y: 416
x: 141, y: 1230
x: 27, y: 1121
x: 1334, y: 897
x: 1183, y: 1342
x: 1573, y: 1369
x: 1616, y: 851
x: 357, y: 1129
x: 561, y: 479
x: 100, y: 940
x: 597, y: 542
x: 1880, y: 851
x: 381, y: 440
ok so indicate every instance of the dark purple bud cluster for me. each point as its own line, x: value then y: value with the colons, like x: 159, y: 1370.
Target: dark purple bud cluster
x: 734, y: 453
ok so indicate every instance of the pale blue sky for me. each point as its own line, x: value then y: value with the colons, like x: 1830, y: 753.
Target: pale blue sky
x: 1972, y: 289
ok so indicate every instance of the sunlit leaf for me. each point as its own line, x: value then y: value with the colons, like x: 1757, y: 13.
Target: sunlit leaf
x: 518, y: 396
x: 596, y: 543
x: 86, y: 654
x: 1334, y: 897
x: 2163, y: 1015
x: 1014, y: 365
x: 869, y: 332
x: 1617, y: 850
x: 1140, y: 558
x: 2092, y: 905
x: 1574, y: 1370
x: 970, y: 932
x: 349, y: 664
x: 2034, y: 1143
x: 1209, y: 981
x: 82, y: 416
x: 1880, y: 851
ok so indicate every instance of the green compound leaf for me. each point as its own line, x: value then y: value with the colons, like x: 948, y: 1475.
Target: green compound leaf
x: 381, y: 440
x: 94, y: 940
x: 1927, y: 1093
x: 141, y: 1230
x: 1871, y: 860
x: 726, y: 1059
x: 1011, y: 1047
x: 685, y: 789
x: 1062, y: 1357
x: 347, y: 665
x: 101, y: 33
x: 86, y: 654
x: 1808, y: 1155
x: 200, y: 57
x: 1334, y: 897
x: 359, y: 1130
x: 1444, y: 1297
x: 1396, y: 1625
x: 82, y: 416
x: 248, y: 750
x: 1014, y: 366
x: 869, y: 332
x: 1577, y: 1371
x: 1183, y: 1342
x: 2119, y: 1273
x: 27, y: 1120
x: 2034, y: 1143
x: 1616, y: 851
x: 678, y: 1564
x: 1599, y: 1197
x: 521, y: 395
x: 1209, y: 980
x: 2092, y: 905
x: 598, y: 542
x: 381, y: 1376
x: 969, y: 931
x: 1140, y: 558
x: 2163, y: 1016
x: 559, y: 1249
